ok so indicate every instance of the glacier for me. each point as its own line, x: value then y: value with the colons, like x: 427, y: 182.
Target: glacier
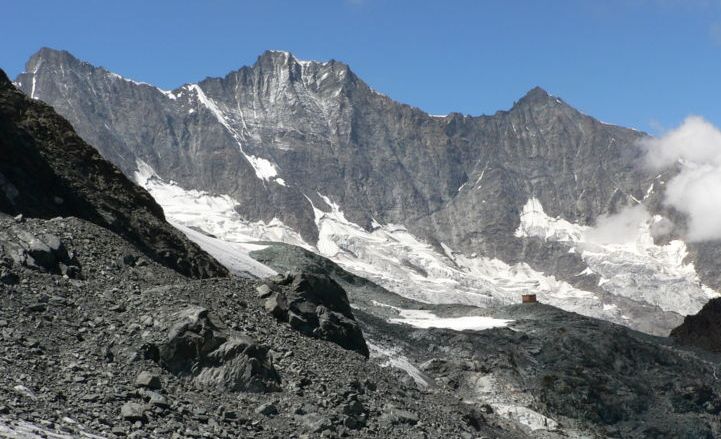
x: 635, y: 275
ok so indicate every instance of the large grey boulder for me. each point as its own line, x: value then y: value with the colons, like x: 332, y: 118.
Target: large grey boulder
x: 318, y: 306
x: 198, y: 346
x: 44, y: 252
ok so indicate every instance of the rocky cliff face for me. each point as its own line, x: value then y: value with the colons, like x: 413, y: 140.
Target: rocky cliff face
x: 309, y: 148
x: 47, y: 170
x: 279, y: 131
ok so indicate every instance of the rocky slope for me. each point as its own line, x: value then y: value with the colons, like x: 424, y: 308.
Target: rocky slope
x: 98, y: 339
x: 552, y: 372
x: 47, y: 170
x: 136, y: 349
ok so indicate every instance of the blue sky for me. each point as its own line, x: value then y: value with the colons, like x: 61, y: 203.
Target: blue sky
x: 640, y: 63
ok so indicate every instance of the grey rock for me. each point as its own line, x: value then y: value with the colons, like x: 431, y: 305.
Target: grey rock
x: 394, y: 416
x: 703, y: 329
x: 8, y: 277
x: 148, y: 379
x: 129, y: 260
x: 132, y: 411
x: 326, y: 130
x: 316, y: 305
x: 197, y: 345
x: 316, y: 423
x: 277, y: 305
x: 46, y: 161
x: 156, y: 399
x: 267, y: 409
x: 263, y: 291
x: 353, y: 407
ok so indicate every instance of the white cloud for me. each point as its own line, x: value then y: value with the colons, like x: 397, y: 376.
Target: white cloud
x: 696, y: 190
x: 618, y: 228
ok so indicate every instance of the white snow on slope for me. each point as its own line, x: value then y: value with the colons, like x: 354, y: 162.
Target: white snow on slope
x: 235, y: 256
x: 635, y: 268
x: 215, y: 215
x: 426, y: 319
x: 393, y: 358
x: 35, y: 74
x: 509, y: 402
x: 113, y: 75
x: 395, y: 259
x: 388, y: 255
x: 421, y: 318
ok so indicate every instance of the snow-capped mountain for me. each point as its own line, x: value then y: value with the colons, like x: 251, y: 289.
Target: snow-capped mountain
x: 453, y: 209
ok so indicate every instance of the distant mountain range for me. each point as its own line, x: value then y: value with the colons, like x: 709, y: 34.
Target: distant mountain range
x: 442, y: 209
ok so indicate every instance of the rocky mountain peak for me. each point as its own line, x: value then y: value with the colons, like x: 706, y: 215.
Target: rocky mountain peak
x: 287, y: 67
x: 537, y: 97
x: 49, y: 56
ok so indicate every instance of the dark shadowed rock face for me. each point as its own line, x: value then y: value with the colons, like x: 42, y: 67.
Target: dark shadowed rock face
x: 278, y: 133
x: 47, y: 170
x: 702, y: 330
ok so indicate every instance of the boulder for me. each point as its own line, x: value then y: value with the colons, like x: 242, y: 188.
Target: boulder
x: 132, y: 411
x: 317, y: 306
x: 267, y: 409
x: 43, y: 252
x: 7, y: 277
x: 155, y: 399
x: 263, y: 291
x: 148, y: 379
x: 199, y: 346
x: 316, y: 423
x: 702, y: 330
x: 277, y: 305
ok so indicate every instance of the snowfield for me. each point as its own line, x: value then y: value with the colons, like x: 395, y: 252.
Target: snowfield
x: 636, y: 275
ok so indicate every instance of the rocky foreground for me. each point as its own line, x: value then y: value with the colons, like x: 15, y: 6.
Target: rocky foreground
x: 122, y: 346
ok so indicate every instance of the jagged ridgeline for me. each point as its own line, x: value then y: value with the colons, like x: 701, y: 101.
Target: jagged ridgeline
x: 47, y: 170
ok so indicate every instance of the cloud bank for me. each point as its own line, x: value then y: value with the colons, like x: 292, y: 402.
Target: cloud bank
x: 696, y: 190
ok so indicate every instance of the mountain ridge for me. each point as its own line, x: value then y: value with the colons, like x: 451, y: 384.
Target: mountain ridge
x: 313, y: 148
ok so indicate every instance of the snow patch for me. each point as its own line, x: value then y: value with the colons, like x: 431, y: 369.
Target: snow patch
x: 35, y: 73
x: 525, y: 416
x: 233, y: 238
x: 510, y: 402
x: 426, y: 319
x: 393, y: 358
